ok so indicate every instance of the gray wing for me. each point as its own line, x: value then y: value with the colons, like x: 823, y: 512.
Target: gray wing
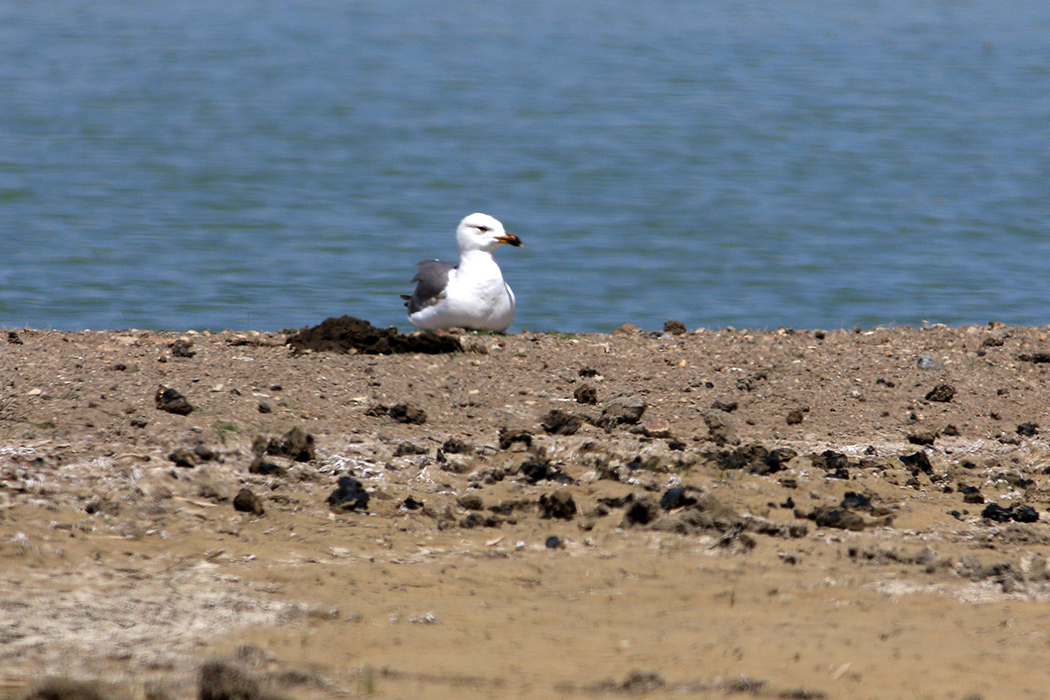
x: 430, y: 284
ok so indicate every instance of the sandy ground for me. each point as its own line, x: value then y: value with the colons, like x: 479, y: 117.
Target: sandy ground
x: 782, y: 514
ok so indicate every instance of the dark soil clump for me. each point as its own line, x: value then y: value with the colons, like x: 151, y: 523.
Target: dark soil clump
x: 347, y: 333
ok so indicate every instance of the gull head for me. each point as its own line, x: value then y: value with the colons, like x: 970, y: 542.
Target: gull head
x: 482, y: 232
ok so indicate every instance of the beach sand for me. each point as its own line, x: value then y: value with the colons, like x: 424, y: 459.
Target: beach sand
x: 801, y: 514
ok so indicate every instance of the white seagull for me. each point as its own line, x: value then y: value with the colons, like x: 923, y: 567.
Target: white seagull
x: 471, y: 294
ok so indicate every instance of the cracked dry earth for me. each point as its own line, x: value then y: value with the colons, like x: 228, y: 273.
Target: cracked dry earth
x: 783, y: 514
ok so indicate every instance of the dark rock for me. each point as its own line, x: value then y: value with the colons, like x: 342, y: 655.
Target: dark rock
x: 841, y: 518
x: 67, y: 689
x: 471, y: 501
x: 558, y: 505
x: 611, y: 502
x: 750, y: 457
x: 12, y: 337
x: 349, y: 495
x: 1027, y: 429
x: 971, y: 494
x: 264, y: 468
x: 402, y: 413
x: 409, y: 448
x: 725, y: 406
x: 247, y: 502
x: 265, y: 407
x: 829, y: 460
x: 538, y: 468
x: 346, y: 333
x: 776, y: 459
x: 183, y: 457
x: 1017, y: 512
x: 1036, y: 357
x: 676, y: 445
x: 222, y: 681
x: 922, y: 437
x: 675, y: 328
x: 558, y: 422
x: 509, y: 436
x: 554, y: 542
x: 720, y: 428
x: 994, y: 511
x: 640, y: 512
x: 298, y: 445
x: 171, y: 401
x: 589, y: 372
x: 183, y: 348
x: 102, y: 505
x: 679, y: 497
x: 855, y: 501
x: 456, y: 446
x: 621, y: 410
x: 917, y: 462
x: 586, y: 394
x: 411, y: 503
x: 708, y: 513
x: 941, y: 393
x: 1025, y: 514
x: 795, y: 417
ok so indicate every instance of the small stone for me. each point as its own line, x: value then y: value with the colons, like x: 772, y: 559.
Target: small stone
x: 554, y: 542
x: 183, y: 348
x: 264, y: 468
x: 621, y: 409
x: 841, y: 518
x: 471, y: 501
x: 922, y: 437
x: 298, y: 445
x: 654, y: 428
x: 927, y: 361
x: 640, y: 512
x: 994, y: 511
x: 585, y: 394
x: 675, y: 328
x: 509, y: 436
x: 679, y: 497
x: 265, y: 407
x: 183, y: 457
x: 349, y: 495
x: 942, y: 393
x: 627, y: 329
x: 247, y: 502
x: 222, y: 681
x: 456, y: 446
x: 1027, y: 429
x: 559, y: 422
x: 795, y: 416
x: 402, y: 413
x: 171, y: 401
x: 411, y: 503
x: 558, y: 505
x: 409, y: 448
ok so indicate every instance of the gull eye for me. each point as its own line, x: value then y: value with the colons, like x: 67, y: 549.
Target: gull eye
x: 484, y: 229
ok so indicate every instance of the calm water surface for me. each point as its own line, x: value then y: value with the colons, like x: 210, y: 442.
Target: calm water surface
x: 260, y: 164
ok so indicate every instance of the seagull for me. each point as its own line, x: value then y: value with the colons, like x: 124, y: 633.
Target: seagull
x: 471, y: 294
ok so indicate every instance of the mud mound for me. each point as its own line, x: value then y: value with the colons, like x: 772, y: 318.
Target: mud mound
x: 346, y: 334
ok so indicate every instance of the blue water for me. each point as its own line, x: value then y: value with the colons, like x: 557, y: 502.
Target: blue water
x: 261, y: 164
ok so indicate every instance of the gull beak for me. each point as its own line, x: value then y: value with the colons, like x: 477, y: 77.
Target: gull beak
x: 509, y: 238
